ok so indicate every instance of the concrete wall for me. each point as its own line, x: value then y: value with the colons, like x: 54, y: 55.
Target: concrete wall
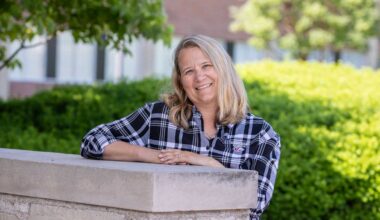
x: 4, y: 84
x: 41, y: 185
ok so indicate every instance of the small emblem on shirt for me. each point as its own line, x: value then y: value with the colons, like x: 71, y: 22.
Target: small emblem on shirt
x: 238, y: 148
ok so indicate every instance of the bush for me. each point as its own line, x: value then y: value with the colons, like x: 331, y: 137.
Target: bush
x: 56, y: 120
x: 328, y: 117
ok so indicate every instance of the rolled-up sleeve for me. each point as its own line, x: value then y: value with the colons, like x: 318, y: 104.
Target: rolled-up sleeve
x: 133, y: 129
x: 265, y: 162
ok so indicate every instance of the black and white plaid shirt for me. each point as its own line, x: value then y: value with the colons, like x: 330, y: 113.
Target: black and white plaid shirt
x: 251, y: 144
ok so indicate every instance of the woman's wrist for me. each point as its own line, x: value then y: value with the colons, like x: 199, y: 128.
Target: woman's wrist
x: 204, y: 160
x: 147, y: 155
x: 213, y: 163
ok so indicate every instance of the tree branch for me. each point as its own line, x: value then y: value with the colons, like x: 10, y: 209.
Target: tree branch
x: 36, y: 44
x: 8, y: 60
x: 22, y: 46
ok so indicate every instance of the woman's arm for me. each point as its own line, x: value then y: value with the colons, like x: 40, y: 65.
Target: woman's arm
x: 172, y: 156
x: 127, y: 152
x: 123, y: 151
x: 265, y: 161
x: 133, y: 129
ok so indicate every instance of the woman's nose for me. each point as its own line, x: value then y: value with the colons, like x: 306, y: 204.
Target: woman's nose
x: 199, y: 74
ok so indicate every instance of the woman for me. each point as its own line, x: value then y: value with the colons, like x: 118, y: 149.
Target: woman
x: 205, y: 121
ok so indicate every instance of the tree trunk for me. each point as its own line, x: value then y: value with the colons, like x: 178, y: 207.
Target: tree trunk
x: 337, y: 56
x: 303, y: 56
x: 377, y: 65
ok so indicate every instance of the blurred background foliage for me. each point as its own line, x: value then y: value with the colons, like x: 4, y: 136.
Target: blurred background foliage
x: 328, y: 117
x: 107, y: 23
x: 301, y: 26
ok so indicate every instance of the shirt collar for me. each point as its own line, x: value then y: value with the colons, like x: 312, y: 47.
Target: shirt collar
x: 197, y: 115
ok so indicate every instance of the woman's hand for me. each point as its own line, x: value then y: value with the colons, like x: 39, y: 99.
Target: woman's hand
x: 173, y: 156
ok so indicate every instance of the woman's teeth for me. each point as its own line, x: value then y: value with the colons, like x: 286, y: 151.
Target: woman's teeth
x: 203, y: 86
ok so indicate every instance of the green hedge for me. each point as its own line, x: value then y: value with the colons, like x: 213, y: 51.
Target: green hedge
x: 57, y: 120
x: 328, y: 117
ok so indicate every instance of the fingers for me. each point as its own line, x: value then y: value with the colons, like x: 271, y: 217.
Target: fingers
x: 171, y: 157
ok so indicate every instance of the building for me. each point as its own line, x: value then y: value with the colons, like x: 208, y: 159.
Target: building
x: 61, y: 61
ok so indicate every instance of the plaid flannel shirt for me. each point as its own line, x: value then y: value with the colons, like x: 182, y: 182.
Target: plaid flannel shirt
x: 251, y: 144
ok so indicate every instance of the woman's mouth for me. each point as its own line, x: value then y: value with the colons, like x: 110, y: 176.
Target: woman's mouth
x: 203, y: 86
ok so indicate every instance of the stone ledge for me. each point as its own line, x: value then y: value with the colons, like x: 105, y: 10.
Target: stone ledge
x: 125, y: 185
x: 14, y: 207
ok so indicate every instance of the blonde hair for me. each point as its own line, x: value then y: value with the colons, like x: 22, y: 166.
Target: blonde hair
x: 232, y: 97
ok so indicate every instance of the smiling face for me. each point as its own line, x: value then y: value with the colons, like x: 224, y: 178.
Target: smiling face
x: 198, y: 77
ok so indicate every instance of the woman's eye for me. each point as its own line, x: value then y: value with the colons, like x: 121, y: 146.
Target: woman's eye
x: 187, y: 72
x: 206, y: 66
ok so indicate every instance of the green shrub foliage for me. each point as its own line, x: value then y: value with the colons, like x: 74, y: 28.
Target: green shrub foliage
x: 328, y: 117
x: 56, y: 120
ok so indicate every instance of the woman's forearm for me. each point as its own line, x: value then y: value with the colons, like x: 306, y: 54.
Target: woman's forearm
x: 208, y: 161
x: 127, y: 152
x: 173, y: 156
x: 123, y: 151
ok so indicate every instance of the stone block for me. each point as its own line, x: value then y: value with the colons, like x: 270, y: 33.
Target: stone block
x: 48, y: 212
x: 6, y: 216
x: 125, y: 185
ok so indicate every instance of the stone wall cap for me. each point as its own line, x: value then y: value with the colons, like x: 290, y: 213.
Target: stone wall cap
x: 127, y: 185
x: 77, y: 160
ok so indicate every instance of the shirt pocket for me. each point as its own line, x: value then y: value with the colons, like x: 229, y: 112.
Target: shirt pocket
x: 231, y: 152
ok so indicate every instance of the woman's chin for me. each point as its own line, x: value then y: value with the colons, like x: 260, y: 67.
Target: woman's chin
x: 206, y: 101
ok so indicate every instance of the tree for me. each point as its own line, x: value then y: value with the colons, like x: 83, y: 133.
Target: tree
x: 301, y: 26
x: 107, y: 22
